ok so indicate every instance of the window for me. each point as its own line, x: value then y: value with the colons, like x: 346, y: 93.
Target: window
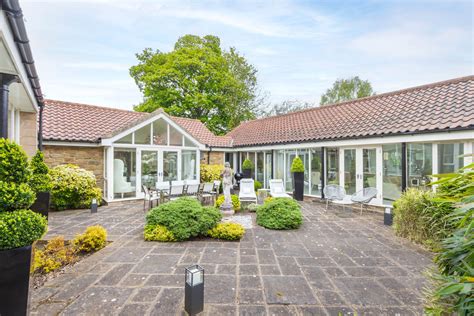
x: 450, y: 157
x: 126, y: 139
x: 149, y: 168
x: 251, y: 157
x: 160, y: 132
x: 259, y: 168
x: 304, y: 156
x: 392, y: 172
x: 143, y: 135
x: 176, y: 139
x: 280, y: 164
x: 188, y: 165
x: 124, y: 172
x: 420, y: 164
x: 316, y: 171
x: 290, y: 155
x: 332, y: 166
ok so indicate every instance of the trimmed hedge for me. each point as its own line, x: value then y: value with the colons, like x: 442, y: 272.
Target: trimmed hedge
x: 93, y: 239
x: 73, y: 187
x: 20, y: 228
x: 280, y: 213
x: 209, y: 173
x: 227, y: 231
x: 14, y: 162
x: 158, y: 233
x: 184, y: 217
x: 40, y: 180
x: 234, y: 198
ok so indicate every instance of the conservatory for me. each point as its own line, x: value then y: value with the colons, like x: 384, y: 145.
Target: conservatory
x: 155, y: 150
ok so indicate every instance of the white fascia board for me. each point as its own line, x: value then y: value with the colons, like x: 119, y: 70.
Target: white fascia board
x: 70, y: 144
x: 7, y: 37
x: 110, y: 141
x: 413, y: 138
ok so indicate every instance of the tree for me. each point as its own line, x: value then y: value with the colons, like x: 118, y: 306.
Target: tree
x: 198, y: 80
x: 285, y: 107
x: 346, y: 90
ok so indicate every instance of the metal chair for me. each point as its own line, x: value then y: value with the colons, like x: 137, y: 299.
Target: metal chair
x: 149, y: 197
x: 364, y: 196
x: 337, y: 195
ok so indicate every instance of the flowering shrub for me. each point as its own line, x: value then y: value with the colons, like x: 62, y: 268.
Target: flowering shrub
x: 210, y: 173
x: 227, y: 231
x: 235, y: 201
x: 93, y: 239
x: 73, y: 187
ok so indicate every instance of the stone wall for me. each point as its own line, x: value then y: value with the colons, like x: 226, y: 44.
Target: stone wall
x: 89, y: 158
x: 212, y: 158
x: 28, y: 132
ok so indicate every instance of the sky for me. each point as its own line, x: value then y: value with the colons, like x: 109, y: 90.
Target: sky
x: 83, y: 49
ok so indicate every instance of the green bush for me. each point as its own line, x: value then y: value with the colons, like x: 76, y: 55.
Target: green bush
x: 40, y: 180
x: 73, y: 187
x: 234, y: 198
x: 421, y: 218
x: 20, y: 228
x: 15, y: 196
x: 13, y: 162
x: 247, y: 165
x: 257, y: 185
x: 252, y: 207
x: 55, y: 255
x: 279, y: 213
x: 158, y: 233
x: 297, y: 165
x: 209, y: 173
x: 93, y: 239
x: 184, y: 217
x: 227, y: 231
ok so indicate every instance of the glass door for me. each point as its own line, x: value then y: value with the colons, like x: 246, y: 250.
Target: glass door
x: 350, y: 181
x: 268, y: 169
x: 369, y: 170
x: 149, y: 169
x: 169, y: 166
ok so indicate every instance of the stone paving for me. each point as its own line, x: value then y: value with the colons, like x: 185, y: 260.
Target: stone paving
x: 337, y: 263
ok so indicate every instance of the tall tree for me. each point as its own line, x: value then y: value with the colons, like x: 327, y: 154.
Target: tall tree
x: 285, y: 107
x: 199, y: 80
x: 346, y: 90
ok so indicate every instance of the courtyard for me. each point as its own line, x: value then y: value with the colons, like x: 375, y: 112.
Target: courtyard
x: 336, y: 263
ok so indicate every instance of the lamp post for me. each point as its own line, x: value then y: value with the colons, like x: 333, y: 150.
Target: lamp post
x: 94, y: 206
x: 387, y: 216
x: 194, y: 289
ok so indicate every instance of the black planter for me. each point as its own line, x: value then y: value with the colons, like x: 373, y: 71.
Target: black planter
x: 42, y: 203
x: 298, y: 185
x: 14, y: 281
x: 247, y: 173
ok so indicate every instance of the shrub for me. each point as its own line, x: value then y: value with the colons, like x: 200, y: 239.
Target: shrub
x: 247, y: 164
x: 252, y: 207
x: 184, y: 217
x: 93, y: 239
x: 158, y: 233
x: 268, y: 199
x: 257, y: 185
x: 209, y: 173
x: 40, y: 180
x: 227, y: 231
x: 235, y: 201
x: 420, y: 218
x: 15, y: 196
x: 280, y: 213
x: 14, y: 162
x: 55, y: 255
x: 20, y: 228
x: 297, y: 165
x: 73, y: 187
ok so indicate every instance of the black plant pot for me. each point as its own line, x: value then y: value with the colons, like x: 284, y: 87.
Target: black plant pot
x: 14, y: 281
x: 298, y: 185
x: 42, y: 203
x: 247, y: 173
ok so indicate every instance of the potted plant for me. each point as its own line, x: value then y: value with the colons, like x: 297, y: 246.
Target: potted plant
x: 40, y: 183
x: 297, y: 168
x: 19, y: 228
x: 247, y: 167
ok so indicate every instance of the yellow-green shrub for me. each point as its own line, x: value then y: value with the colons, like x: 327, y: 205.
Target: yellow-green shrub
x: 210, y: 173
x: 55, y: 255
x: 158, y: 233
x: 235, y: 201
x: 93, y: 239
x: 227, y: 231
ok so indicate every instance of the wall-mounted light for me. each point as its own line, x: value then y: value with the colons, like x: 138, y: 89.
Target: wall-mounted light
x: 194, y: 289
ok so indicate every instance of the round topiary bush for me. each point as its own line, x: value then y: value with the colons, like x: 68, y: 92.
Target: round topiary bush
x: 247, y: 165
x: 14, y: 162
x: 73, y: 187
x: 184, y: 218
x: 297, y: 165
x: 234, y: 198
x: 257, y: 185
x: 20, y: 228
x: 40, y: 180
x: 15, y: 196
x: 280, y: 213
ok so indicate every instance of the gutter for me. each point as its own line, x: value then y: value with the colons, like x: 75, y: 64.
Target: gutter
x: 17, y: 25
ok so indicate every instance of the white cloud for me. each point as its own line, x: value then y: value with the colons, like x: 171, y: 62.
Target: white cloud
x: 98, y: 66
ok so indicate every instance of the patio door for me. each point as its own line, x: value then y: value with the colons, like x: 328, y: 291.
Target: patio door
x: 168, y: 165
x: 369, y: 169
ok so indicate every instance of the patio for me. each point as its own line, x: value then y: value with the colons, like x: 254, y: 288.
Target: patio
x: 336, y: 262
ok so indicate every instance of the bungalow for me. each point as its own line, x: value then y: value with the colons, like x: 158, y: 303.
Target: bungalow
x: 21, y: 100
x: 390, y: 141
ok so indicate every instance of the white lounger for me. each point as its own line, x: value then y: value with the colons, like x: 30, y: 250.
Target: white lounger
x: 247, y: 191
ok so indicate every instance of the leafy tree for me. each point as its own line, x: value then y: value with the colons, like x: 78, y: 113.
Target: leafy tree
x: 285, y: 107
x: 346, y: 90
x: 200, y: 80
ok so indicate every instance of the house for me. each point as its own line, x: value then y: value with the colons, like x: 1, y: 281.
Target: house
x: 389, y: 141
x: 21, y: 99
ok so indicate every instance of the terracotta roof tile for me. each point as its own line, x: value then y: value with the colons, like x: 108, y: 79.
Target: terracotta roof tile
x: 443, y: 105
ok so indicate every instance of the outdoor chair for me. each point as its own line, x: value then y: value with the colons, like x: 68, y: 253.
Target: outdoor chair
x: 149, y: 198
x: 277, y: 189
x: 192, y: 189
x: 364, y: 196
x: 337, y: 195
x: 207, y: 192
x: 162, y: 189
x: 176, y: 191
x: 216, y: 189
x: 247, y: 191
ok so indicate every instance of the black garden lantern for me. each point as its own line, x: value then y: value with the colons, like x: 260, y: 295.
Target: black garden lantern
x: 194, y: 290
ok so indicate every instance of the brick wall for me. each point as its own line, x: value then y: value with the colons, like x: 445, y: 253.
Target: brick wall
x: 212, y: 158
x: 89, y: 158
x: 28, y: 132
